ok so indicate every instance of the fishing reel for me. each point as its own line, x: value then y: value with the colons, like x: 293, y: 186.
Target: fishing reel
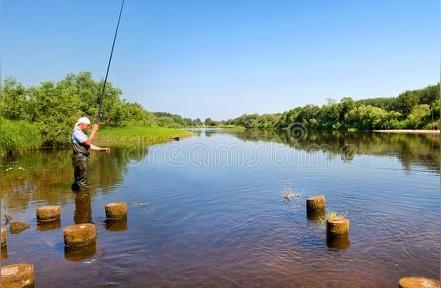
x: 100, y: 116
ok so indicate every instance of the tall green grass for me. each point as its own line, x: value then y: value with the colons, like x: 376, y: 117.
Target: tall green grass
x: 118, y: 136
x: 18, y: 136
x: 21, y: 136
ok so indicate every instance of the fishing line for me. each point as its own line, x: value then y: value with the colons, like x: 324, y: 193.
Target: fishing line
x: 100, y: 115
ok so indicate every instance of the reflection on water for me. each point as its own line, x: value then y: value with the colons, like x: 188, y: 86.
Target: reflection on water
x: 315, y: 217
x: 4, y: 253
x: 43, y: 226
x: 417, y: 149
x: 116, y: 225
x: 79, y: 254
x: 83, y: 208
x: 45, y: 176
x: 338, y: 242
x: 226, y: 225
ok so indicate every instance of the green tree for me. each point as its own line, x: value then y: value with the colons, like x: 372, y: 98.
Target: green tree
x: 407, y: 101
x: 209, y: 122
x: 13, y: 102
x: 419, y: 116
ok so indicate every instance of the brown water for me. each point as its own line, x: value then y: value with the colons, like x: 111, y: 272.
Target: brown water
x: 208, y: 212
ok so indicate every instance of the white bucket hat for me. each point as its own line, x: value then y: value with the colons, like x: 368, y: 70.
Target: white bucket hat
x: 83, y: 120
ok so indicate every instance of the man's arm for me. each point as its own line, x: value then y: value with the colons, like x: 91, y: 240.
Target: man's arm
x: 96, y: 148
x: 89, y: 139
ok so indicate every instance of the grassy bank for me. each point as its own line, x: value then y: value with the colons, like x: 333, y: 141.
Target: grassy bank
x: 18, y: 137
x: 119, y: 136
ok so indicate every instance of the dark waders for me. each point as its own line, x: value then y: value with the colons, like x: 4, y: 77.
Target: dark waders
x: 80, y: 162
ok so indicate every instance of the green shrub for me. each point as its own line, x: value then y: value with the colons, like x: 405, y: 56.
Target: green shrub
x: 433, y: 126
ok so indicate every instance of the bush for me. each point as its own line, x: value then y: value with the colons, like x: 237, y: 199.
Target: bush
x: 433, y: 126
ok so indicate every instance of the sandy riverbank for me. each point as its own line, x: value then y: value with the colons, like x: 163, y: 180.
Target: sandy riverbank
x: 409, y: 131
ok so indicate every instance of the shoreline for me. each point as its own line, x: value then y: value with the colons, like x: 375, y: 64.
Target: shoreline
x: 139, y: 135
x: 408, y: 131
x: 108, y: 136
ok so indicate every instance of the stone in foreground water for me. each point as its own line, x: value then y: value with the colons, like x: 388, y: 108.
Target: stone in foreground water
x: 315, y: 207
x: 20, y: 275
x: 79, y: 235
x: 116, y: 210
x: 337, y: 227
x: 48, y: 213
x: 418, y: 282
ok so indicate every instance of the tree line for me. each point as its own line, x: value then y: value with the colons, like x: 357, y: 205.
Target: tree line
x: 54, y: 106
x: 412, y: 109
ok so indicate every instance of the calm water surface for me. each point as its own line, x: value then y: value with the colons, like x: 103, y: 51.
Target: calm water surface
x: 208, y: 211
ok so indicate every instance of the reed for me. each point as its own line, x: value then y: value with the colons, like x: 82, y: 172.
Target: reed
x: 18, y: 137
x: 120, y: 136
x: 333, y: 215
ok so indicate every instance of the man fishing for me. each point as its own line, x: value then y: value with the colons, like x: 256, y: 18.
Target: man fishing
x: 81, y: 143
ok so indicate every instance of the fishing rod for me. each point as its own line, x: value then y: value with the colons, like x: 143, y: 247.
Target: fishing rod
x: 100, y: 115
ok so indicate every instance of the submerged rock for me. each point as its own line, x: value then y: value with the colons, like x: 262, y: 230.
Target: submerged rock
x: 16, y: 227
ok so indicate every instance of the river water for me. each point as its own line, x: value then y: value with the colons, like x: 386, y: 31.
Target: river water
x: 208, y: 211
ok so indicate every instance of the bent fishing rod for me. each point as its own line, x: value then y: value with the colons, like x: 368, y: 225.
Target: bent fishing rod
x: 100, y: 115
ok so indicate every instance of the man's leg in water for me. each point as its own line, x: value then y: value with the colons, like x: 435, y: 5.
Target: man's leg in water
x: 81, y: 168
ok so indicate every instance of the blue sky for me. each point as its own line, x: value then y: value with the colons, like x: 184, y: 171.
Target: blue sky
x: 221, y: 59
